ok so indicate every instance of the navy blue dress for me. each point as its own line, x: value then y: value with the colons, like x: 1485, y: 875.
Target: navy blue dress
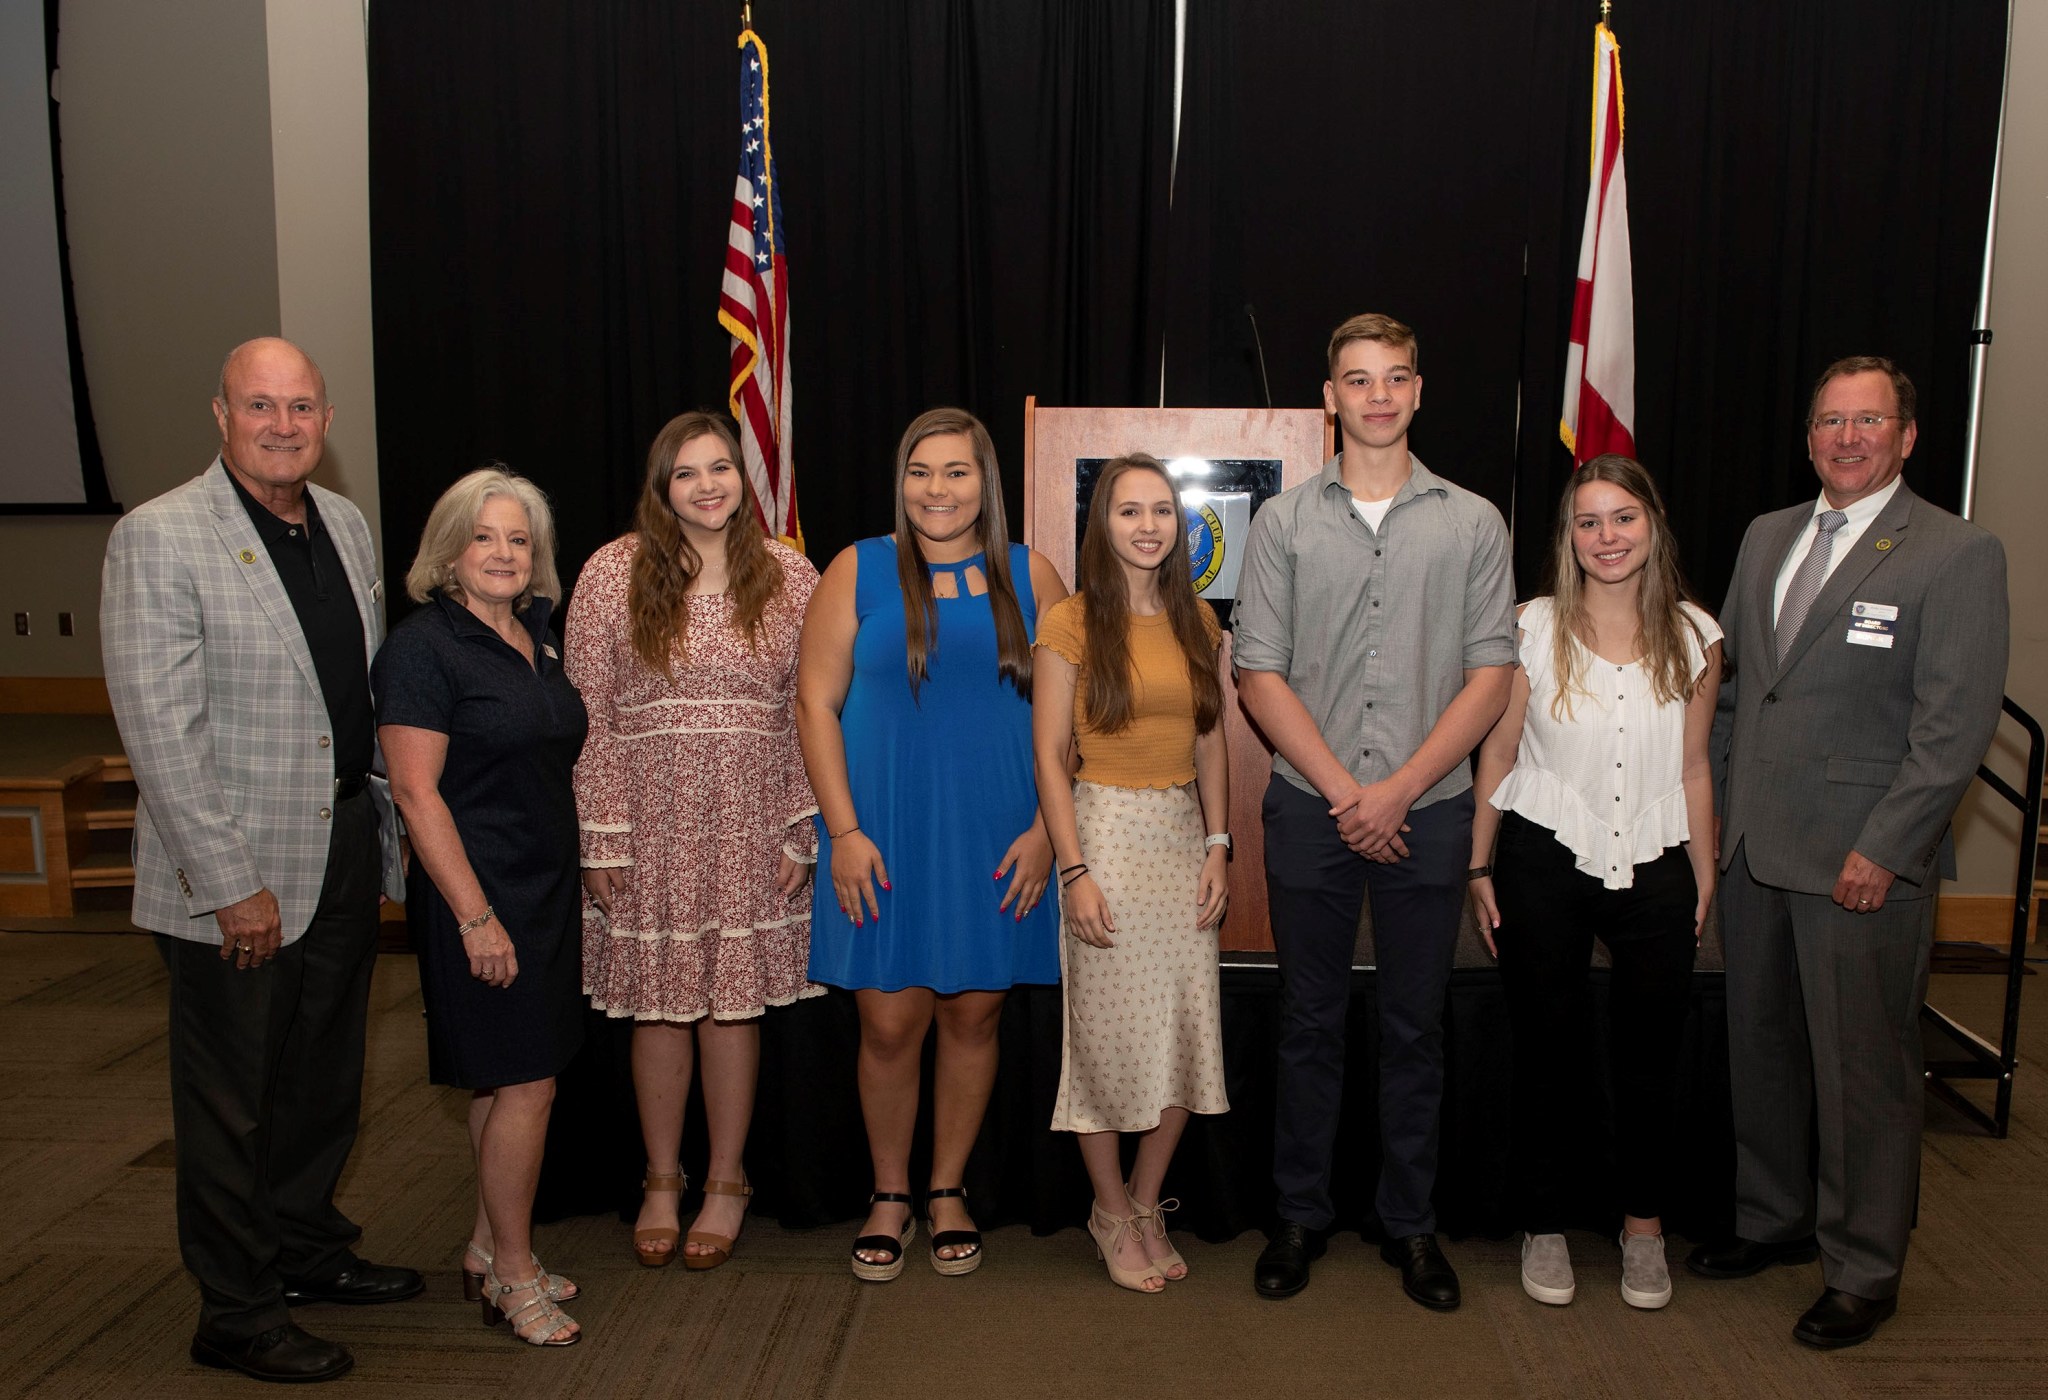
x: 943, y: 783
x: 514, y: 732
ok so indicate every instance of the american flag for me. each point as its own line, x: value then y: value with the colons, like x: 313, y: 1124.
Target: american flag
x: 753, y: 304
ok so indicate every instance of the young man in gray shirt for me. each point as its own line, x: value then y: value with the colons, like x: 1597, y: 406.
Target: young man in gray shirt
x: 1374, y: 640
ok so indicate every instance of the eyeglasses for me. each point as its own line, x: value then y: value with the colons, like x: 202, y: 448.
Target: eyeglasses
x: 1869, y: 422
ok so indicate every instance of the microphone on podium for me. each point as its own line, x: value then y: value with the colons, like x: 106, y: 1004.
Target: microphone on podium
x: 1261, y: 347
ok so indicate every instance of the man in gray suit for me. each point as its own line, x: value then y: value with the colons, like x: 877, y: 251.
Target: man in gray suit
x: 1868, y: 636
x: 238, y: 615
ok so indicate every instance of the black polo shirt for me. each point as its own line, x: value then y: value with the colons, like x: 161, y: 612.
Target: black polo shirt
x: 310, y: 568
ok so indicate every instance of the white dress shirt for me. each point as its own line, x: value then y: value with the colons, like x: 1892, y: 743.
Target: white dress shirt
x: 1860, y: 514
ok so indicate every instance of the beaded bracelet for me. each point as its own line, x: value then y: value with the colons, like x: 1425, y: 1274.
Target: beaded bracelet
x: 464, y: 930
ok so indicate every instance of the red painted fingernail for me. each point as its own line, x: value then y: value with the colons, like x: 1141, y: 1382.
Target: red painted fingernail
x: 885, y: 884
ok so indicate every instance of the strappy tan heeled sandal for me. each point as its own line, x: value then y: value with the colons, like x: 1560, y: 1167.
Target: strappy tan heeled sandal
x: 644, y: 1240
x: 559, y: 1288
x: 1154, y: 1217
x: 1105, y: 1229
x: 721, y: 1245
x: 538, y: 1321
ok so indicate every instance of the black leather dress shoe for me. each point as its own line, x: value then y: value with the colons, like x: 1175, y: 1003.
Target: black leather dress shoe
x: 1842, y: 1319
x: 1282, y: 1270
x: 1426, y: 1276
x: 285, y: 1353
x: 360, y: 1282
x: 1739, y: 1258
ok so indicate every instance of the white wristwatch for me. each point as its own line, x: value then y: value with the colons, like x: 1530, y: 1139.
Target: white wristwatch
x: 1217, y: 838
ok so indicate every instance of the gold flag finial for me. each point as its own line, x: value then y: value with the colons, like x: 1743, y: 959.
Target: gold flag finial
x: 1606, y: 7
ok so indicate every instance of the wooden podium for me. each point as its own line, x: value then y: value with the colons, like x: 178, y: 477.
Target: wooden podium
x: 1056, y: 440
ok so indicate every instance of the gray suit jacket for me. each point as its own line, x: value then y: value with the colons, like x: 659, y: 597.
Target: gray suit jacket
x: 1864, y: 748
x: 220, y: 709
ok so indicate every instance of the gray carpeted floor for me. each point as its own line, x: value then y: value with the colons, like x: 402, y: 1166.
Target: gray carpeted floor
x: 95, y: 1303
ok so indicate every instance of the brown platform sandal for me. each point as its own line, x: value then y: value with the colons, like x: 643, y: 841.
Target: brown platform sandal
x: 659, y: 1258
x: 721, y: 1245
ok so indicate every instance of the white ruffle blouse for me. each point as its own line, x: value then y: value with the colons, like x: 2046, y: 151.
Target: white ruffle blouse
x: 1609, y: 780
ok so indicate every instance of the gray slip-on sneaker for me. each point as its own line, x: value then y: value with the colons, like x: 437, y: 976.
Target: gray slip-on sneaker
x: 1547, y: 1269
x: 1645, y: 1281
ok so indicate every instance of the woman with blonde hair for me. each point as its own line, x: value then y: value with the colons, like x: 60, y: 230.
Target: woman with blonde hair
x: 1126, y: 669
x: 480, y: 729
x: 912, y: 700
x: 697, y: 839
x: 1596, y: 782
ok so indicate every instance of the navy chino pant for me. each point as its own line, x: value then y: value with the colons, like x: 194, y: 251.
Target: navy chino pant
x: 1315, y: 887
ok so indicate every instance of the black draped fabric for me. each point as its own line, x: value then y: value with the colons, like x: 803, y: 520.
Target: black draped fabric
x: 807, y: 1157
x: 1805, y: 182
x: 974, y: 195
x: 1338, y: 158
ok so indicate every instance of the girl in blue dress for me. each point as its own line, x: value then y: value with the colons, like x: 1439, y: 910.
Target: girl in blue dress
x: 913, y: 686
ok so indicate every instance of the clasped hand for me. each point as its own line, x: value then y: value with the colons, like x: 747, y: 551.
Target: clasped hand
x: 1371, y: 818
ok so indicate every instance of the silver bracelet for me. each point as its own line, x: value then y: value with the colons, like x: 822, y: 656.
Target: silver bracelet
x: 464, y: 930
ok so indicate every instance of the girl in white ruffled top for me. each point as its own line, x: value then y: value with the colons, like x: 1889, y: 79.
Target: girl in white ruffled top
x: 1596, y: 785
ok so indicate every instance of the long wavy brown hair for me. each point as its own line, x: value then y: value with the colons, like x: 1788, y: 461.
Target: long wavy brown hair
x: 992, y: 530
x: 657, y: 596
x: 1661, y: 624
x: 1106, y: 608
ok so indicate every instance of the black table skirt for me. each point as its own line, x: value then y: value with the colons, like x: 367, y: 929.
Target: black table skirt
x: 807, y: 1155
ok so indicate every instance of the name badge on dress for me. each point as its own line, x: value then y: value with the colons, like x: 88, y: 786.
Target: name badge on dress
x: 1872, y: 624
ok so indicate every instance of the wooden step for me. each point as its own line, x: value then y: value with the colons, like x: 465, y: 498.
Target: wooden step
x: 110, y: 819
x: 103, y: 870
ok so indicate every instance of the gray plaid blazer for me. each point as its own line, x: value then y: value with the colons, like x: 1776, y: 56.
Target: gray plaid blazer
x: 220, y: 709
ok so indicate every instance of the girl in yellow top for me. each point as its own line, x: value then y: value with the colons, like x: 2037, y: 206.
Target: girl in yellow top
x: 1127, y: 667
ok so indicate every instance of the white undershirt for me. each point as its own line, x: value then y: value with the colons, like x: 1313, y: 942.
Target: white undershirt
x: 1372, y: 512
x: 1860, y: 514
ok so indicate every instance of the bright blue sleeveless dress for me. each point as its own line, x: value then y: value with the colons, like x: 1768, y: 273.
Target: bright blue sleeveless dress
x: 942, y: 785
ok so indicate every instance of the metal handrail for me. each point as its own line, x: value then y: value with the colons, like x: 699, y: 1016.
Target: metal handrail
x: 1982, y: 1060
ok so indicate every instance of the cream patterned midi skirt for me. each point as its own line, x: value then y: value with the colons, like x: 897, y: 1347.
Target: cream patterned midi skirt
x: 1143, y: 1026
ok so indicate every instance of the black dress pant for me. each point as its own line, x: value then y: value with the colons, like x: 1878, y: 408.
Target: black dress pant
x: 266, y: 1090
x: 1315, y: 887
x: 1550, y: 913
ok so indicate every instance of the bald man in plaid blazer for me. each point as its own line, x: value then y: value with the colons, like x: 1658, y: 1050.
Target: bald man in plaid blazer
x: 238, y: 616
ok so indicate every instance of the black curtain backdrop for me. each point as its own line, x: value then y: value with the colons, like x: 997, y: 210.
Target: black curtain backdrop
x: 1806, y: 181
x: 981, y: 203
x: 975, y: 199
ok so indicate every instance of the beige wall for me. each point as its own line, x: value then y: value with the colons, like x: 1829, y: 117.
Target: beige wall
x: 2012, y: 489
x: 216, y: 186
x: 320, y: 160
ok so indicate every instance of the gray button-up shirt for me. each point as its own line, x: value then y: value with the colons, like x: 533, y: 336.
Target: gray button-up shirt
x: 1375, y: 630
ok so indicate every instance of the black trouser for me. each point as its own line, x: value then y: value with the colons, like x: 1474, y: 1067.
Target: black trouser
x: 1550, y: 913
x: 266, y: 1089
x: 1315, y: 887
